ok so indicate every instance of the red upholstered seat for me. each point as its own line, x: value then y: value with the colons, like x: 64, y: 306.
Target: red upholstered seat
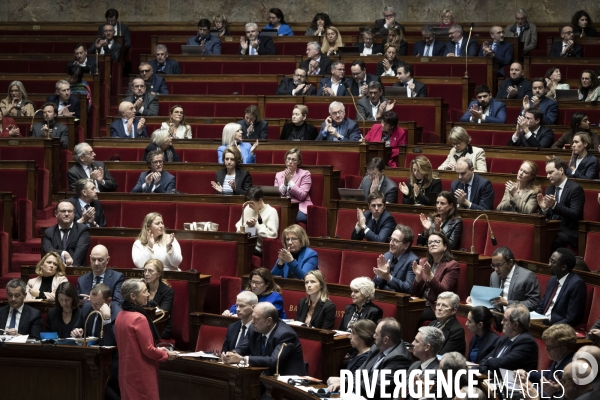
x: 346, y: 221
x: 195, y: 182
x: 519, y: 240
x: 435, y: 159
x: 543, y: 281
x: 594, y: 313
x: 501, y: 138
x: 480, y: 235
x: 505, y: 166
x: 112, y: 214
x: 499, y: 188
x: 198, y: 155
x: 290, y: 302
x: 280, y: 110
x: 189, y: 212
x: 468, y: 335
x: 312, y: 352
x: 119, y: 249
x: 592, y: 251
x: 592, y: 211
x: 230, y: 287
x: 330, y: 261
x: 389, y: 310
x: 355, y: 264
x: 353, y: 181
x: 347, y: 163
x: 211, y: 338
x: 270, y: 252
x: 132, y: 215
x: 543, y: 360
x: 180, y: 313
x: 216, y: 259
x: 462, y: 289
x: 411, y: 220
x: 480, y: 138
x: 317, y: 221
x: 126, y: 154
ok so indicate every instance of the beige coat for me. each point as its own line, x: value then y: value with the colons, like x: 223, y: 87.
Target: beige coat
x: 477, y: 156
x: 35, y: 284
x: 524, y: 203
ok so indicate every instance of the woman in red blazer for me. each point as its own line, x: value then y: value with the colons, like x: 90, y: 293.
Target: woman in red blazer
x: 436, y: 273
x: 9, y: 127
x: 389, y: 133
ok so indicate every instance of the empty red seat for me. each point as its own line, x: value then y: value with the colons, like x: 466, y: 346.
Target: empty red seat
x: 355, y: 264
x: 592, y: 250
x: 517, y: 237
x: 330, y: 261
x: 211, y: 338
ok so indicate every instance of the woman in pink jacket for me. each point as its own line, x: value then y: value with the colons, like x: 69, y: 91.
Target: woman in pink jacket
x: 389, y: 133
x: 295, y: 182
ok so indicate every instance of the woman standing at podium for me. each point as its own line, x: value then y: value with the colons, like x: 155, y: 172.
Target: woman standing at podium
x: 136, y: 338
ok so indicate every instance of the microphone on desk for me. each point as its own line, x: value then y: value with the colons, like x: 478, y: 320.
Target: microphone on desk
x: 492, y: 237
x: 467, y: 50
x: 276, y: 376
x: 354, y: 102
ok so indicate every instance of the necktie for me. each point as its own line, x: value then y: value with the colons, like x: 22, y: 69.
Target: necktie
x: 503, y: 349
x: 467, y: 191
x: 551, y: 297
x: 263, y: 346
x: 521, y: 31
x: 378, y: 361
x: 13, y: 319
x: 457, y: 49
x: 98, y: 280
x: 427, y: 51
x: 502, y: 282
x: 86, y: 207
x: 65, y: 238
x: 394, y: 261
x: 65, y: 104
x: 242, y: 335
x: 557, y: 194
x: 494, y: 46
x: 93, y: 332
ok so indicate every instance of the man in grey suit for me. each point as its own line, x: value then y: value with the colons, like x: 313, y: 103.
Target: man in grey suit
x: 50, y: 128
x: 145, y: 103
x: 373, y: 105
x: 427, y: 344
x: 388, y: 355
x: 376, y: 180
x: 394, y: 268
x: 208, y: 43
x: 519, y: 285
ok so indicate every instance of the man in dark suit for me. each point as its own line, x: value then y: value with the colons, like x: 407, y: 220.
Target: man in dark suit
x: 86, y: 167
x: 567, y: 46
x: 255, y: 45
x: 316, y: 63
x: 297, y: 85
x: 87, y: 64
x: 156, y: 84
x: 499, y: 49
x: 100, y: 300
x: 208, y: 43
x: 427, y: 345
x: 515, y: 87
x: 388, y: 355
x: 262, y: 344
x: 389, y: 20
x: 17, y: 318
x: 337, y: 127
x: 112, y: 18
x: 128, y: 126
x: 100, y: 273
x: 68, y: 238
x: 375, y: 180
x: 145, y: 103
x: 106, y: 44
x: 560, y: 341
x: 375, y: 225
x: 485, y: 109
x: 429, y: 47
x: 471, y: 190
x: 446, y: 308
x: 244, y: 305
x: 88, y: 210
x: 547, y: 106
x: 456, y: 47
x: 405, y: 79
x: 162, y: 64
x: 367, y: 47
x: 530, y: 132
x: 394, y: 268
x: 156, y: 180
x: 374, y: 104
x: 517, y: 348
x: 66, y: 104
x: 359, y: 85
x: 519, y: 285
x: 50, y: 128
x: 565, y: 297
x: 564, y: 200
x: 336, y: 84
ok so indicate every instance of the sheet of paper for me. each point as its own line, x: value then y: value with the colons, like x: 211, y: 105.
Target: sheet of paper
x: 200, y: 354
x: 251, y: 230
x: 481, y: 295
x: 536, y: 316
x: 15, y: 339
x: 341, y: 333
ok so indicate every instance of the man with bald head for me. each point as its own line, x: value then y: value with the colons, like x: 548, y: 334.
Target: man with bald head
x: 145, y: 103
x: 593, y: 351
x: 573, y: 375
x: 261, y: 346
x: 567, y: 46
x: 99, y: 259
x: 498, y: 48
x: 128, y: 126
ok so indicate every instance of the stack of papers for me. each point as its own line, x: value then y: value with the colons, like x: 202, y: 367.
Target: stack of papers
x: 482, y: 296
x: 14, y: 339
x: 200, y: 354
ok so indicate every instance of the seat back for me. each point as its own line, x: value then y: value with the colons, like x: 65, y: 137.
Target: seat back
x: 211, y: 338
x: 312, y: 352
x: 355, y: 264
x: 180, y: 313
x: 592, y: 250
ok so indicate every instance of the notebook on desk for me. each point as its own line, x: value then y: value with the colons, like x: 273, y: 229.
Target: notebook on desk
x: 270, y: 191
x: 352, y: 194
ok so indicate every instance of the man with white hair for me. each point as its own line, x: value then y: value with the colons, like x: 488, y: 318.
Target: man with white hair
x: 145, y: 103
x: 316, y: 63
x: 254, y: 45
x: 337, y: 127
x: 524, y: 30
x: 427, y: 344
x: 388, y: 21
x: 394, y: 268
x: 446, y: 308
x: 86, y: 166
x: 244, y: 305
x: 67, y: 105
x: 128, y: 126
x: 162, y: 64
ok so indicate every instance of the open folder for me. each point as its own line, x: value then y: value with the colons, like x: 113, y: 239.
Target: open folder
x: 482, y: 296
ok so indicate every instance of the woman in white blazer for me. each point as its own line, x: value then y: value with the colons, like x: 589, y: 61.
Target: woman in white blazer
x: 51, y: 273
x: 460, y: 141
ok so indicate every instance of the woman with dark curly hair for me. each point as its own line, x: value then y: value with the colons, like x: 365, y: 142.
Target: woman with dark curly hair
x: 582, y: 25
x: 579, y: 123
x: 319, y: 25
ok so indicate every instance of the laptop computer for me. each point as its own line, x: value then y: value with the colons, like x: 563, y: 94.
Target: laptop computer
x: 348, y: 50
x: 270, y: 191
x: 352, y: 194
x: 191, y: 49
x: 395, y: 91
x: 269, y: 32
x: 441, y: 32
x: 567, y: 95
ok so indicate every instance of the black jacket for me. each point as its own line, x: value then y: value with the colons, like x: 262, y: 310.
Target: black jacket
x: 323, y: 317
x: 243, y: 180
x: 369, y: 311
x: 98, y: 215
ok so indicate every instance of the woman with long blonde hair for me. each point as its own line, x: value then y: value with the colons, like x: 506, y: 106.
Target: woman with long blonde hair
x: 316, y: 310
x: 332, y: 41
x: 154, y: 242
x: 421, y: 183
x: 520, y: 196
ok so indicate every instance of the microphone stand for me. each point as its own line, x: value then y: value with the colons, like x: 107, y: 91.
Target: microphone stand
x: 243, y: 227
x: 355, y: 107
x: 467, y: 50
x: 492, y: 237
x: 276, y: 376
